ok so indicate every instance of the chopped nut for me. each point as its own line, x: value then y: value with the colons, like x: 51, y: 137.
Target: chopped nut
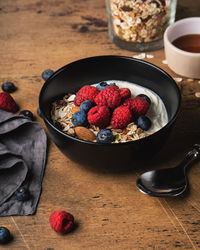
x: 75, y: 109
x: 139, y: 131
x: 85, y: 134
x: 126, y: 8
x: 71, y: 131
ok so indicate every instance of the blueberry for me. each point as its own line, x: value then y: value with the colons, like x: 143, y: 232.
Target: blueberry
x: 86, y: 106
x: 105, y: 136
x: 4, y: 235
x: 79, y: 118
x: 143, y: 122
x: 102, y: 85
x: 113, y: 84
x: 8, y: 87
x: 39, y: 112
x: 27, y: 114
x: 47, y: 73
x: 22, y: 194
x: 145, y: 97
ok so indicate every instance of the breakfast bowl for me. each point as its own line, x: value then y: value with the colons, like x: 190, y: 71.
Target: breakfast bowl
x: 89, y: 71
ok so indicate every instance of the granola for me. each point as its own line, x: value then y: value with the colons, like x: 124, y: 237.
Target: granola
x: 139, y: 20
x: 61, y: 114
x: 64, y: 108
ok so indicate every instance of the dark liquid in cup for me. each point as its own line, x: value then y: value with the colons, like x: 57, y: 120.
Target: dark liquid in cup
x: 189, y: 43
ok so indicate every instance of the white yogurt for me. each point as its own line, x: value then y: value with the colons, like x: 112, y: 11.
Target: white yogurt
x: 157, y: 112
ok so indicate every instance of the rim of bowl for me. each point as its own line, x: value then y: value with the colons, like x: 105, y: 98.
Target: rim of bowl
x: 47, y: 82
x: 188, y: 19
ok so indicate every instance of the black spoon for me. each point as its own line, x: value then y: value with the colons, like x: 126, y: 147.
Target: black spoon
x: 168, y: 181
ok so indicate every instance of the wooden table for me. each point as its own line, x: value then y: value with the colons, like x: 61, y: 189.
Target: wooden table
x: 109, y: 210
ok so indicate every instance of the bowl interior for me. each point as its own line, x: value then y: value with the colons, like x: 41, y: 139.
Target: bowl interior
x: 184, y: 27
x: 73, y: 76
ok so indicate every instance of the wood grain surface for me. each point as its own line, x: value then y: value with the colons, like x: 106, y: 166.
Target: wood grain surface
x: 110, y: 212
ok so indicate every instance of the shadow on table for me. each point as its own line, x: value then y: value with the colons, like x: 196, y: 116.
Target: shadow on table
x: 184, y: 135
x: 187, y: 8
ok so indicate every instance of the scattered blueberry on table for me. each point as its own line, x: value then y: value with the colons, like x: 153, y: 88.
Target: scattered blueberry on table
x: 39, y: 112
x: 22, y: 194
x: 47, y: 73
x: 28, y: 114
x: 8, y: 87
x: 5, y: 235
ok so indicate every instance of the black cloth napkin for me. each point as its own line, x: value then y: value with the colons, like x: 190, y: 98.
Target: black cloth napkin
x: 23, y: 146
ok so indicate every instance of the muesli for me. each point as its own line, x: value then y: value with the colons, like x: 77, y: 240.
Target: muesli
x: 118, y: 122
x: 139, y: 20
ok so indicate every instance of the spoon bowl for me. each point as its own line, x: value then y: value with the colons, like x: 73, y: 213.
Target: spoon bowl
x: 168, y: 181
x: 162, y: 182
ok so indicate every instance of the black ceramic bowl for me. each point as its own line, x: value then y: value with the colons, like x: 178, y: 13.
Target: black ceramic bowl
x: 73, y: 76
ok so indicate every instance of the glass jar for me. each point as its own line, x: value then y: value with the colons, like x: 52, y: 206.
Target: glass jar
x: 139, y: 25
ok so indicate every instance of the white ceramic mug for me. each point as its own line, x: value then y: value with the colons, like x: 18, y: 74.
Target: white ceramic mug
x: 182, y: 62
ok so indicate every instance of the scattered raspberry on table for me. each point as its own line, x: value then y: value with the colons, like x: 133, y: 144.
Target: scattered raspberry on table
x: 61, y: 221
x: 7, y: 102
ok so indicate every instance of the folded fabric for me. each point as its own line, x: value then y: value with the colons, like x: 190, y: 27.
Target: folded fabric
x: 22, y: 162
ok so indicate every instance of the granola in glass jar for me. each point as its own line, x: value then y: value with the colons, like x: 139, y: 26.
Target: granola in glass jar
x: 140, y: 21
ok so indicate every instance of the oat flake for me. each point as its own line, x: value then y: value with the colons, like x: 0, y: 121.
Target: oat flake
x: 140, y: 56
x: 178, y: 79
x: 164, y: 61
x: 197, y: 94
x: 149, y: 56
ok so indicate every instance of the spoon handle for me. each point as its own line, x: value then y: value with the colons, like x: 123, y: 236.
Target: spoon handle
x: 191, y: 156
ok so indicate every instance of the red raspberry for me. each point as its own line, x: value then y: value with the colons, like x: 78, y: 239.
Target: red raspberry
x: 87, y: 92
x: 7, y: 103
x: 121, y: 117
x: 138, y: 105
x: 124, y: 93
x: 99, y: 116
x: 109, y: 96
x: 128, y: 102
x: 61, y: 221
